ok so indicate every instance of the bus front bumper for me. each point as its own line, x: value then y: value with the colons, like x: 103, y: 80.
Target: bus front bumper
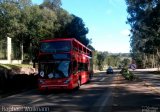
x: 45, y: 85
x: 50, y: 87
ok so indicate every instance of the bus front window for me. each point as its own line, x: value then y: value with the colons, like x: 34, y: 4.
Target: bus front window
x: 58, y: 69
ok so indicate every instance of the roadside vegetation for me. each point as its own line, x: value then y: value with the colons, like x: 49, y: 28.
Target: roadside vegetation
x: 144, y: 19
x: 27, y: 23
x: 128, y: 75
x: 102, y: 60
x: 14, y: 66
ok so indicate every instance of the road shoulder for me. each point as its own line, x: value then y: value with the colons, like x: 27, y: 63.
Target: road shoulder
x: 132, y: 96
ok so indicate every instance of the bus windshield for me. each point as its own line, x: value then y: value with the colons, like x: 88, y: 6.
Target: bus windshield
x: 57, y: 46
x: 58, y: 69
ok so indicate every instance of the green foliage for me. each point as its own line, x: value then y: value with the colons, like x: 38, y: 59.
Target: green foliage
x: 73, y: 27
x: 15, y: 66
x: 67, y: 25
x: 95, y: 57
x: 127, y: 74
x: 9, y: 15
x: 144, y: 20
x: 113, y: 60
x: 125, y: 62
x: 100, y: 60
x: 27, y: 24
x: 52, y: 4
x: 103, y: 59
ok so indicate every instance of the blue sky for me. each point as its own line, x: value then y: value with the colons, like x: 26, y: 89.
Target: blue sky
x: 105, y: 20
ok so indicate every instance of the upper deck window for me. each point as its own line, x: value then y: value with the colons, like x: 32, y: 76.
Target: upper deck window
x: 57, y: 46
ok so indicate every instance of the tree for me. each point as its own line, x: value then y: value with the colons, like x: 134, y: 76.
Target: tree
x: 69, y: 26
x: 51, y: 4
x: 63, y: 20
x: 9, y: 15
x: 145, y: 22
x: 27, y: 24
x: 76, y: 28
x: 100, y: 60
x: 125, y: 62
x: 95, y: 59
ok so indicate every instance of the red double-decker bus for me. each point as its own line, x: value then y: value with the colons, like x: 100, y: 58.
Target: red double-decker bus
x: 64, y: 63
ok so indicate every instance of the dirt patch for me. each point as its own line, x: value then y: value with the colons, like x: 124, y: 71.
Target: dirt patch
x: 24, y: 70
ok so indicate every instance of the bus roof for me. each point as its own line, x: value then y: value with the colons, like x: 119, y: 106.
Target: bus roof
x: 65, y: 39
x: 56, y: 39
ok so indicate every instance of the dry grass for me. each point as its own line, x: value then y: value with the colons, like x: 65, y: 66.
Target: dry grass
x: 14, y: 66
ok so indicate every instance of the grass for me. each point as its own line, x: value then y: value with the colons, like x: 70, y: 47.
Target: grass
x: 14, y: 66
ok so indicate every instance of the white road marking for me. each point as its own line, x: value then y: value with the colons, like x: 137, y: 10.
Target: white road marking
x: 102, y: 79
x: 104, y: 101
x: 107, y: 98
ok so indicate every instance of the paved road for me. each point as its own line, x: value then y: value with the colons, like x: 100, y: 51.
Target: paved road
x: 95, y: 96
x: 105, y: 93
x: 134, y: 96
x: 149, y: 78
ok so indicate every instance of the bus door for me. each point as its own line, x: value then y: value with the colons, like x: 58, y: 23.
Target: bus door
x: 76, y: 72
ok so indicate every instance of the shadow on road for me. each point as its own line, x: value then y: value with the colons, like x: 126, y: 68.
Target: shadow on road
x: 15, y: 83
x: 133, y: 96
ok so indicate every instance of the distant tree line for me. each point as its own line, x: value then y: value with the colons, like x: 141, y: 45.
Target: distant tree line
x: 105, y: 59
x: 144, y: 19
x: 27, y: 23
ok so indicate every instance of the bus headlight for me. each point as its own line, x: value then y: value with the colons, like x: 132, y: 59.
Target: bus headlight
x: 67, y: 81
x: 50, y: 75
x: 41, y: 73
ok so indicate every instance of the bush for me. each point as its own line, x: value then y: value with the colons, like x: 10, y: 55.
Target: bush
x: 127, y: 74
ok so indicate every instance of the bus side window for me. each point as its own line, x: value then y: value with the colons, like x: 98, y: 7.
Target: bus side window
x: 79, y: 67
x: 86, y: 67
x: 82, y: 66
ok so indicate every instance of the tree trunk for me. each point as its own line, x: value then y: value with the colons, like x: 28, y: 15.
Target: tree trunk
x: 144, y: 60
x: 158, y: 56
x: 22, y: 51
x: 153, y: 61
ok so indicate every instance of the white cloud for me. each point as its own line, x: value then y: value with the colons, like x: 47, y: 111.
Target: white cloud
x: 125, y: 32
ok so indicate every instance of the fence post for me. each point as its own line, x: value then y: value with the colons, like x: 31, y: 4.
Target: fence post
x: 9, y: 49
